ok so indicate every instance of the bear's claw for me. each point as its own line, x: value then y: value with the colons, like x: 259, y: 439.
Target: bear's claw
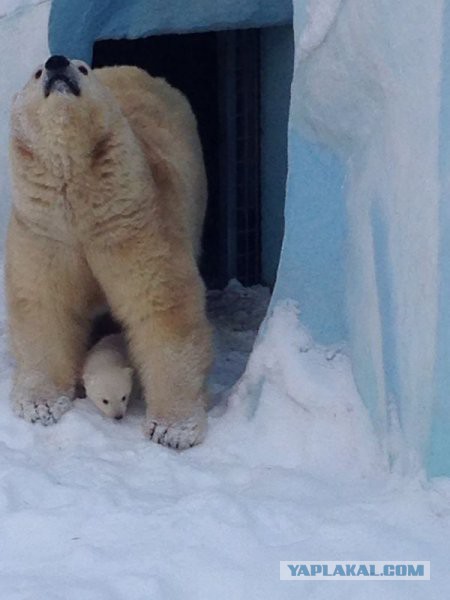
x: 179, y: 435
x: 45, y: 408
x: 46, y: 412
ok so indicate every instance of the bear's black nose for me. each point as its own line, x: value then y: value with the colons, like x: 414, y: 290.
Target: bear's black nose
x: 118, y: 417
x: 57, y: 63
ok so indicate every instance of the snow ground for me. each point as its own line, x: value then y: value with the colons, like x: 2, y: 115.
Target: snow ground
x: 89, y: 510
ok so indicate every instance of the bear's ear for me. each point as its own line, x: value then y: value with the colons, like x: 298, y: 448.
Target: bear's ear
x: 89, y: 381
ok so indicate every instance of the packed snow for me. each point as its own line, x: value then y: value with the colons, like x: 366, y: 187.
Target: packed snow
x: 91, y: 510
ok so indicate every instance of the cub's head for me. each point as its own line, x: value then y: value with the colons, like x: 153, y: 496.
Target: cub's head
x: 110, y: 390
x: 63, y: 102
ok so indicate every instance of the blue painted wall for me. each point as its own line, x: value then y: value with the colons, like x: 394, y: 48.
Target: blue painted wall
x: 312, y: 266
x: 74, y: 26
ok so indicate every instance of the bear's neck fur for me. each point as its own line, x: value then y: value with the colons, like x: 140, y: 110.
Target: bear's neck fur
x: 81, y: 164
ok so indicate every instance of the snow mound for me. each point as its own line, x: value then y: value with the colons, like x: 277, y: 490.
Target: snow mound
x: 297, y: 405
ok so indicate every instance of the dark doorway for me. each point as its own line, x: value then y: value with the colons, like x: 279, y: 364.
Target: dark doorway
x: 219, y: 74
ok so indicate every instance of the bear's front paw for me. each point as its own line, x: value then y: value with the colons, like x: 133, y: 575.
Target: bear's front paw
x: 45, y: 411
x: 179, y: 435
x: 46, y: 408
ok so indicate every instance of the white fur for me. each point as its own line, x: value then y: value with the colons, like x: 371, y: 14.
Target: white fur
x: 108, y: 377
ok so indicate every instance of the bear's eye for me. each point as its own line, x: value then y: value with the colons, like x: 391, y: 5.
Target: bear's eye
x: 38, y: 74
x: 105, y: 401
x: 124, y: 398
x: 83, y: 70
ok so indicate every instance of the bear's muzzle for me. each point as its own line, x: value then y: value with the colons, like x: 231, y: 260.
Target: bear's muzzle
x: 60, y: 77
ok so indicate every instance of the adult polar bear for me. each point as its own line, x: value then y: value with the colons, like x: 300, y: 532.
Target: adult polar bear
x: 108, y: 204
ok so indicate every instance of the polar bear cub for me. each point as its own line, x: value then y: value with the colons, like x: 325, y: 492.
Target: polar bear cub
x: 108, y: 376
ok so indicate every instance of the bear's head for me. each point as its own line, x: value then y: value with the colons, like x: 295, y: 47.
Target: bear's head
x: 63, y: 106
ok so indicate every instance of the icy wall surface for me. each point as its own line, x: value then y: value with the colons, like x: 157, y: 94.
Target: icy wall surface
x: 364, y: 200
x: 23, y: 45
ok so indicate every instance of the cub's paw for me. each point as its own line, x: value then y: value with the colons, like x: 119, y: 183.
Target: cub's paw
x: 45, y: 408
x: 179, y: 435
